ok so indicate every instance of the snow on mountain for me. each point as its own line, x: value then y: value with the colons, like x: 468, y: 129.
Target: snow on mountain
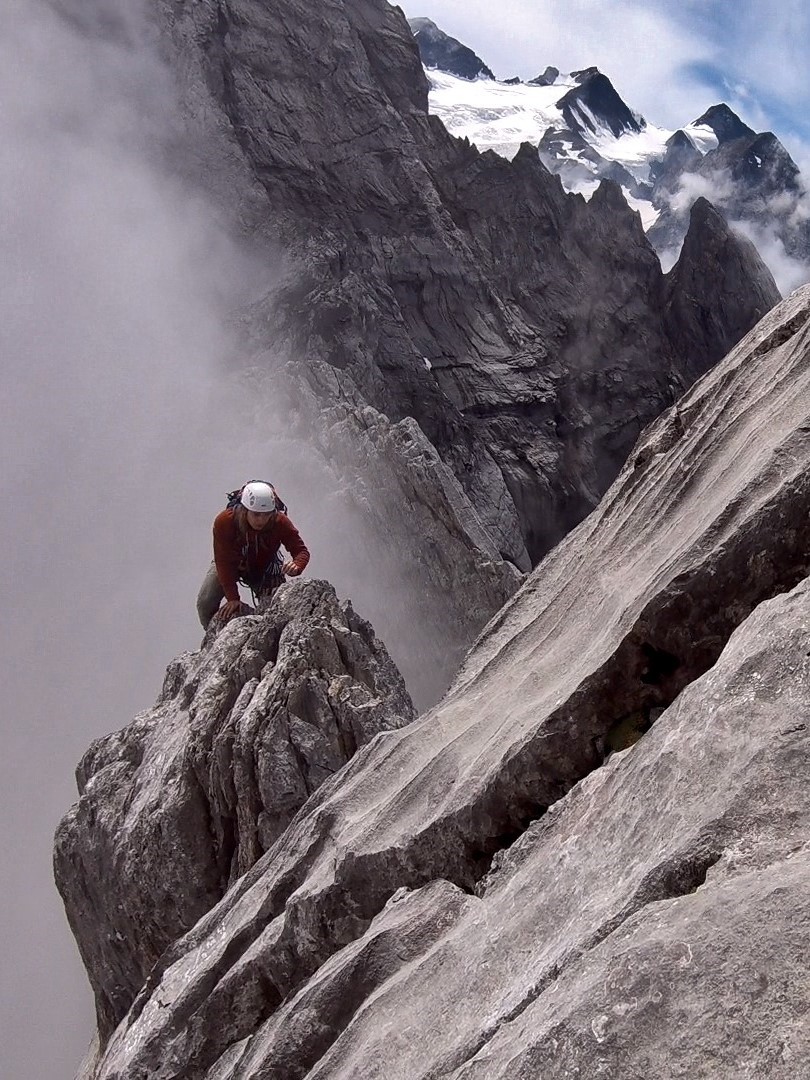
x: 496, y: 115
x: 500, y: 116
x: 585, y: 133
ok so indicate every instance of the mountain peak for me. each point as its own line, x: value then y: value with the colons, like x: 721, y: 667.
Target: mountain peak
x: 548, y: 78
x: 725, y: 123
x: 595, y: 101
x: 439, y: 50
x: 584, y: 74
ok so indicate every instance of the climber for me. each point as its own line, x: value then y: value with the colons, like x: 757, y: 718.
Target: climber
x: 247, y: 537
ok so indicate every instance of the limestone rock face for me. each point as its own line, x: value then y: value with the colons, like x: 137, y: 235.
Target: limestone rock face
x: 493, y: 865
x: 175, y: 807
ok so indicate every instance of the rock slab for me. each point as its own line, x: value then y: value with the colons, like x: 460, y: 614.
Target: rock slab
x: 534, y: 860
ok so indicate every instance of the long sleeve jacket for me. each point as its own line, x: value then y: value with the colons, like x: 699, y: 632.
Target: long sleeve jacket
x: 242, y: 553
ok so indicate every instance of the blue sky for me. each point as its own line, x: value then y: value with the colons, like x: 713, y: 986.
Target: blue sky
x: 669, y: 61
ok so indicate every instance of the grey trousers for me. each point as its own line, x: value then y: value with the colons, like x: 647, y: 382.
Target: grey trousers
x: 210, y: 596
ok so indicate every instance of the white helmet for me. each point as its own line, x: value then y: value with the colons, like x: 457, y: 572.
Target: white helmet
x: 259, y: 497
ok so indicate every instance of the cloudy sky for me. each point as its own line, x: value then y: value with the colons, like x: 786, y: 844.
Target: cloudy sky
x: 668, y: 61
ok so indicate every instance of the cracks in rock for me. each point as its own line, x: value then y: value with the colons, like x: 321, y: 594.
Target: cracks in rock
x: 679, y: 876
x: 781, y: 335
x: 660, y: 665
x: 222, y: 73
x: 481, y: 856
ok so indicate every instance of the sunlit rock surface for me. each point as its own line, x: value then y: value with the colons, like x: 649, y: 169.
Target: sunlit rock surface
x: 488, y: 892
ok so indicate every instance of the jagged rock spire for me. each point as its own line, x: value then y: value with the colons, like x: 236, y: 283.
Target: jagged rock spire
x: 439, y: 50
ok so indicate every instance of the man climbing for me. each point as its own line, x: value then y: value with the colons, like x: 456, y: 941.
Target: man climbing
x: 247, y: 538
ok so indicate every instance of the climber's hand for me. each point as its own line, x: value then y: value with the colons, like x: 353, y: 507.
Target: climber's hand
x: 229, y: 609
x: 290, y: 569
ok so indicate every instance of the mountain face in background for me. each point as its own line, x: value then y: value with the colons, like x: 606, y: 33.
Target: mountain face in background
x: 439, y: 50
x: 529, y: 334
x: 752, y: 178
x: 585, y: 133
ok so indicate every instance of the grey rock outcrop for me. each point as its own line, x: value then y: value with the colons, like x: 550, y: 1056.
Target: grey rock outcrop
x: 681, y: 157
x: 712, y: 257
x: 593, y: 102
x: 406, y: 488
x: 725, y: 123
x: 179, y: 804
x: 558, y: 915
x: 548, y: 78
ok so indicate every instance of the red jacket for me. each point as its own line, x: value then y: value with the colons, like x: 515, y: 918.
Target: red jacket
x: 242, y: 553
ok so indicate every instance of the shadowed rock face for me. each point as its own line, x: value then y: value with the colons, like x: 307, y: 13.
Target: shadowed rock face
x: 593, y: 102
x: 175, y: 807
x: 725, y: 123
x: 439, y: 50
x: 711, y: 258
x: 751, y: 176
x: 480, y: 865
x: 522, y: 329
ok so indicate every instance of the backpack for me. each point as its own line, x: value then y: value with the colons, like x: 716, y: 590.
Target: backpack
x: 235, y: 497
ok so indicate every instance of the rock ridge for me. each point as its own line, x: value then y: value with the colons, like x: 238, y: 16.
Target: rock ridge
x: 629, y: 616
x: 183, y: 801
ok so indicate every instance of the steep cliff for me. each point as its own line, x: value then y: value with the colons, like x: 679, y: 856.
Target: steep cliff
x: 493, y: 890
x: 521, y: 328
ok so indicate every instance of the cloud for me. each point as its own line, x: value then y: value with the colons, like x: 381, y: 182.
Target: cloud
x: 788, y: 273
x: 717, y: 188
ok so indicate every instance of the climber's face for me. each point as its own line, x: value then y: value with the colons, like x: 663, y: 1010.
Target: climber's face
x: 259, y: 521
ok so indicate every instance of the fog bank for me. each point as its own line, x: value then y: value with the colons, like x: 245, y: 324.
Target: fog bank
x: 115, y: 290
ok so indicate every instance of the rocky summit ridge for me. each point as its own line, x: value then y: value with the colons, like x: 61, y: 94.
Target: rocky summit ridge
x: 596, y: 842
